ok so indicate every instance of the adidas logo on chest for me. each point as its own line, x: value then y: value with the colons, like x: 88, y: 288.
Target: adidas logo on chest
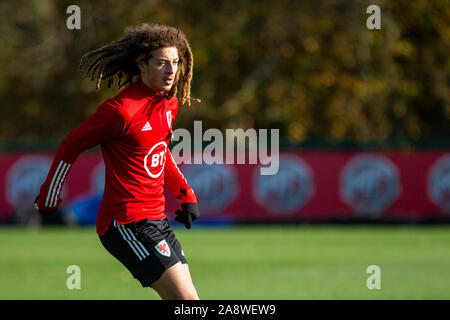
x: 147, y: 127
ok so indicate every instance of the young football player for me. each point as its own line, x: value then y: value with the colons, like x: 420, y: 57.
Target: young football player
x: 153, y: 63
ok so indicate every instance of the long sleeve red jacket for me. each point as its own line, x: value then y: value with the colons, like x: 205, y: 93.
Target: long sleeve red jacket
x: 134, y: 130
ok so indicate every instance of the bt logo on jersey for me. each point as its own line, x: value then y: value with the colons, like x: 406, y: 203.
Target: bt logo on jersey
x: 155, y: 165
x: 157, y: 159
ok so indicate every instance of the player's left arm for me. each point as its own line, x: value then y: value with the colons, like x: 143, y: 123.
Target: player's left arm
x: 180, y: 189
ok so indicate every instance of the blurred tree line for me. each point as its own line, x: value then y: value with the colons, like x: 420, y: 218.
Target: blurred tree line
x: 310, y: 68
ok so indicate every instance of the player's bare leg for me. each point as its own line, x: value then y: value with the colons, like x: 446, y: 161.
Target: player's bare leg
x: 188, y: 276
x: 176, y: 284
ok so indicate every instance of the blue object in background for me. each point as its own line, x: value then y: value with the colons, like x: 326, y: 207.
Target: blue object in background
x: 84, y: 209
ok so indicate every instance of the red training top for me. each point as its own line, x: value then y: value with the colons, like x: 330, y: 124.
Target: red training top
x: 134, y: 130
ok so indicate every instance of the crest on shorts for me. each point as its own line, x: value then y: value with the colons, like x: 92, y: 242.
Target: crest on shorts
x: 163, y: 248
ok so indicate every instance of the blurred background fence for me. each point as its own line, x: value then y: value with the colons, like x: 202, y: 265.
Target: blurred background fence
x: 364, y: 115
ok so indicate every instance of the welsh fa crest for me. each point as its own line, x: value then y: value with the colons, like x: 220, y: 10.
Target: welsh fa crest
x: 163, y: 248
x: 169, y: 118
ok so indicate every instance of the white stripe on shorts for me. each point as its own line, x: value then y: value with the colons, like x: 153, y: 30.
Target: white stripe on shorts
x: 137, y: 246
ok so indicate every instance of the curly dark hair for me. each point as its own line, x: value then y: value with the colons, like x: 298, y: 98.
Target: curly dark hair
x: 119, y: 58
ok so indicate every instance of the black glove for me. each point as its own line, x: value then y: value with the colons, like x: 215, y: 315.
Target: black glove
x: 189, y: 213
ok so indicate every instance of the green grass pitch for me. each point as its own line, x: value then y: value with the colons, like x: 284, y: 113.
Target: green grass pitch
x: 254, y: 262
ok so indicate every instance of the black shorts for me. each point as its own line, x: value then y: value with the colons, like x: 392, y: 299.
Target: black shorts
x: 146, y: 248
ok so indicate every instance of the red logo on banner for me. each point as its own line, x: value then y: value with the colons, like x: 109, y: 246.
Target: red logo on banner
x: 370, y: 183
x: 24, y: 178
x: 439, y: 183
x: 287, y: 191
x: 215, y: 185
